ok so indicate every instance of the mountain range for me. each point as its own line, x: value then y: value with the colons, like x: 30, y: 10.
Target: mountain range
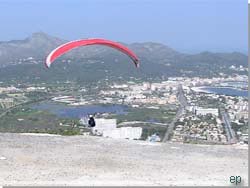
x: 156, y: 59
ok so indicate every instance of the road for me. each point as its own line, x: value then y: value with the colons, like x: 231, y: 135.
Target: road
x: 183, y: 103
x: 229, y: 131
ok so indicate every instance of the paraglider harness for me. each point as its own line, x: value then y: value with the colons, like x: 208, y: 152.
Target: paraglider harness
x: 91, y: 122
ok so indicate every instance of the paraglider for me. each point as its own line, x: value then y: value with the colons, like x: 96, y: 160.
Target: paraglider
x: 64, y: 48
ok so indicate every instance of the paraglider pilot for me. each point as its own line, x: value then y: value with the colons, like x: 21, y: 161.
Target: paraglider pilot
x: 91, y: 121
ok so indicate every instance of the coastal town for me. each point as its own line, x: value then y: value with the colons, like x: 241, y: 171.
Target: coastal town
x: 200, y: 116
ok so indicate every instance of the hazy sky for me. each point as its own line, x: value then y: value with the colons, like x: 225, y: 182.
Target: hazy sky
x: 185, y: 25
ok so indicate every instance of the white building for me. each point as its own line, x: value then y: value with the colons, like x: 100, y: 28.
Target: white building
x: 205, y: 111
x: 107, y: 128
x: 7, y: 102
x: 124, y: 132
x: 102, y: 124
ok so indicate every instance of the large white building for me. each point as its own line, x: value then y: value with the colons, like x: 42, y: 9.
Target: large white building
x: 107, y: 128
x: 202, y: 111
x: 205, y: 111
x: 102, y: 124
x: 124, y: 132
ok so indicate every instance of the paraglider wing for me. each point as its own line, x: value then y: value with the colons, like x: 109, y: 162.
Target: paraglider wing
x: 74, y: 44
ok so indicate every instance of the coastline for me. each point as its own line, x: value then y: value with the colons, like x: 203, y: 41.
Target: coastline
x: 207, y: 89
x: 200, y: 89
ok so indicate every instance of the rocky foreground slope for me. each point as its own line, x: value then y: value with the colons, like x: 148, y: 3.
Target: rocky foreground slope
x: 86, y: 160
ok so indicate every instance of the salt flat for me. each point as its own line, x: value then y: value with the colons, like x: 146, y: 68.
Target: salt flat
x: 86, y: 160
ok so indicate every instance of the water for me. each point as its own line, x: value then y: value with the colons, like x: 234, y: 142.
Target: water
x: 62, y: 110
x: 226, y: 91
x: 234, y: 84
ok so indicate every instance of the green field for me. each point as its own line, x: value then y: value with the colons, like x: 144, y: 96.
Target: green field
x: 24, y: 119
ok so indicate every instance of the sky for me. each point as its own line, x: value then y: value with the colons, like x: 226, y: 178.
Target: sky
x: 189, y: 26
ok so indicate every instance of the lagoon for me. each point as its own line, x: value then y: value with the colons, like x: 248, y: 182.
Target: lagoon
x: 63, y: 110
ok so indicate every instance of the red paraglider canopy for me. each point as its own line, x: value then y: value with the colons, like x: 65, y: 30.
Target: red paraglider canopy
x: 74, y: 44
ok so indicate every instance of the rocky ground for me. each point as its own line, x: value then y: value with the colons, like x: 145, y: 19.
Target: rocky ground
x: 85, y: 160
